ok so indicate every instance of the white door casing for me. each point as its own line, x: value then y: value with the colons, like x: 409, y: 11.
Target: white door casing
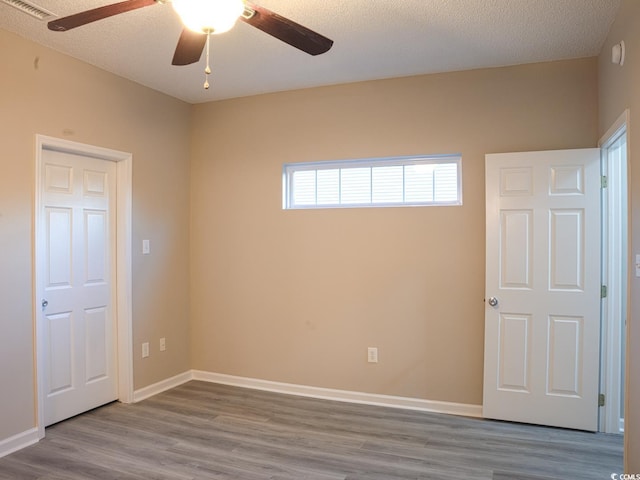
x: 543, y: 267
x: 615, y: 273
x: 87, y: 283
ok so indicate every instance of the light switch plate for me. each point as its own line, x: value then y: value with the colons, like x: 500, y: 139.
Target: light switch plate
x: 372, y: 354
x: 146, y: 247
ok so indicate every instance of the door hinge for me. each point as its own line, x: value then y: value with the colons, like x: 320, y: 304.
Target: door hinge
x: 601, y: 400
x: 604, y: 181
x: 603, y: 291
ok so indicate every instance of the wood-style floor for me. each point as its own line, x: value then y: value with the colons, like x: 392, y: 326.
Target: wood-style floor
x: 206, y: 431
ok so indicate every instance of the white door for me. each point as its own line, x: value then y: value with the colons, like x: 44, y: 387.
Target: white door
x: 543, y: 270
x: 77, y: 274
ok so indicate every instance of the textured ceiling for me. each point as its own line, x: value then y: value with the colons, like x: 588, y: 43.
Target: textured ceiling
x: 373, y: 40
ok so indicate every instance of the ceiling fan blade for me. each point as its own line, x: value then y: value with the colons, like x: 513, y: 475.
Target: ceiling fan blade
x: 72, y: 21
x: 288, y: 31
x: 189, y: 48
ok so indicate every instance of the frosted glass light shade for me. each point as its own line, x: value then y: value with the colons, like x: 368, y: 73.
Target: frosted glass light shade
x: 209, y: 16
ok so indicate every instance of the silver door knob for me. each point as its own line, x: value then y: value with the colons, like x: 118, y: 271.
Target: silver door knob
x: 493, y: 301
x: 45, y: 303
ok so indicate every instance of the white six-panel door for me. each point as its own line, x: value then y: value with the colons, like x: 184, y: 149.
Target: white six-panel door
x: 543, y: 270
x: 77, y: 272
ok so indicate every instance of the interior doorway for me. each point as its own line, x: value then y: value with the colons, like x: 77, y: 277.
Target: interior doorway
x: 122, y: 305
x: 615, y: 274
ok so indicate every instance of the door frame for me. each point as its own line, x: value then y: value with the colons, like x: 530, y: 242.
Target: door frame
x: 123, y: 277
x: 610, y: 364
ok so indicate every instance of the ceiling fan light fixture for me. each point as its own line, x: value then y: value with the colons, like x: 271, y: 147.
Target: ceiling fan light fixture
x: 209, y: 16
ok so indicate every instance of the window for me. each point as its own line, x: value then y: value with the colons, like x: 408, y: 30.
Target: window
x: 383, y: 182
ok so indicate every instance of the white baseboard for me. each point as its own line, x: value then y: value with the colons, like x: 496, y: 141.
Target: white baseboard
x: 21, y: 440
x: 621, y: 425
x: 450, y: 408
x: 162, y: 386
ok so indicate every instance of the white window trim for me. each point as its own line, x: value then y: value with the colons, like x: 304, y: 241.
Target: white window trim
x: 289, y: 169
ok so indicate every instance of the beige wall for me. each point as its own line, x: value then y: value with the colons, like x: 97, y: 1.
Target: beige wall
x: 620, y: 89
x: 297, y: 296
x: 44, y: 92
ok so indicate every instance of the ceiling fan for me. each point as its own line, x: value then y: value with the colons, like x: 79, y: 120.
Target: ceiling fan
x: 201, y: 18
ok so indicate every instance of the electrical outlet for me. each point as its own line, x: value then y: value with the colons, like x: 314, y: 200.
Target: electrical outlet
x: 372, y: 354
x: 145, y: 349
x: 163, y: 344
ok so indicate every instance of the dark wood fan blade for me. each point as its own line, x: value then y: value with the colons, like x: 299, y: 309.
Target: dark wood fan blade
x: 288, y: 31
x: 189, y: 48
x: 72, y: 21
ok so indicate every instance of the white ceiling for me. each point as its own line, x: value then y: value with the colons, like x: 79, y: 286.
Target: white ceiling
x: 373, y: 40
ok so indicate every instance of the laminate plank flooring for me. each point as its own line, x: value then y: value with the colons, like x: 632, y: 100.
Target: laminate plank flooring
x: 207, y: 431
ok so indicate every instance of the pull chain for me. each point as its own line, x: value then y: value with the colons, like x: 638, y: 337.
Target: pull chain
x: 207, y: 71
